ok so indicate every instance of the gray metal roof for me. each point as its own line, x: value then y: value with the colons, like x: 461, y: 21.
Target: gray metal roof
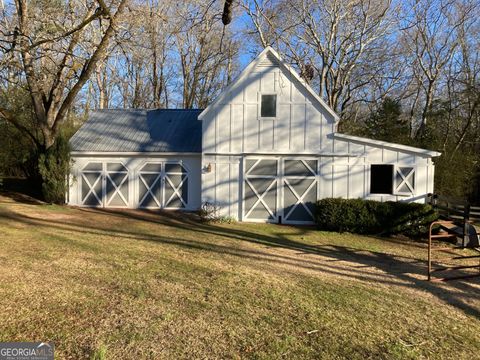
x: 163, y: 130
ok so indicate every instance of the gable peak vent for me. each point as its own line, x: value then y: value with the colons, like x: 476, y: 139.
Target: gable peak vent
x: 269, y: 61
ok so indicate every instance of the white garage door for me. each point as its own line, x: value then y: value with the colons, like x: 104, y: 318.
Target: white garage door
x: 104, y: 184
x: 163, y: 185
x: 284, y: 189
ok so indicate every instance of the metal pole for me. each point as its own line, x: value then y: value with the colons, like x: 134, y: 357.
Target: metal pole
x: 430, y: 251
x: 466, y: 225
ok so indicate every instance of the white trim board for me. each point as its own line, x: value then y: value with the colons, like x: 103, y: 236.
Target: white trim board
x: 287, y: 153
x: 133, y: 153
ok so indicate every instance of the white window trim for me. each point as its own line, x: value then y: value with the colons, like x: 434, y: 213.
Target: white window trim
x: 259, y: 98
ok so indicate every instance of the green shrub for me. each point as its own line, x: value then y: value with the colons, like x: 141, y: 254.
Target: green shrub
x: 373, y: 217
x: 54, y: 167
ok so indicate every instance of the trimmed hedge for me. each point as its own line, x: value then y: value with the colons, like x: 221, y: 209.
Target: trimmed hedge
x: 374, y: 217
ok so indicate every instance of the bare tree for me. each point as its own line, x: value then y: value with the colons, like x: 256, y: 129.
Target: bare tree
x: 169, y: 54
x: 430, y: 31
x: 46, y: 45
x: 205, y: 50
x: 340, y: 38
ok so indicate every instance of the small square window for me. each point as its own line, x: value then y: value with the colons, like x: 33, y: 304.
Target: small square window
x: 381, y: 179
x: 269, y: 106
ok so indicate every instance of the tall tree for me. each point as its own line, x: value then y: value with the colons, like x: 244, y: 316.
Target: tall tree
x: 205, y: 50
x: 340, y: 38
x: 386, y: 123
x: 44, y: 41
x: 430, y: 35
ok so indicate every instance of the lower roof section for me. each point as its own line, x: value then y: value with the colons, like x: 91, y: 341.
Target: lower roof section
x: 140, y: 131
x: 385, y: 144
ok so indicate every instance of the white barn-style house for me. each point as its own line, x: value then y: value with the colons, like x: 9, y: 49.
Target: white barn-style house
x: 265, y: 150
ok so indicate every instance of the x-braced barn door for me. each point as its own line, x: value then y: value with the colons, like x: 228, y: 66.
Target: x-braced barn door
x: 274, y: 188
x: 116, y: 185
x: 163, y: 185
x: 104, y: 184
x: 260, y: 189
x: 299, y: 190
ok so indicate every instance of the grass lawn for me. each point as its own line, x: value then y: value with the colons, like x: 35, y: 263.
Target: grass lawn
x: 134, y: 285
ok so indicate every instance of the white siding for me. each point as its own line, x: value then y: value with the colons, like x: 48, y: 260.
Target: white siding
x: 233, y: 129
x: 282, y: 127
x: 346, y: 176
x: 221, y: 186
x: 340, y: 180
x: 297, y: 128
x: 301, y: 124
x: 326, y: 177
x: 237, y: 128
x: 357, y: 170
x: 313, y: 128
x: 223, y: 133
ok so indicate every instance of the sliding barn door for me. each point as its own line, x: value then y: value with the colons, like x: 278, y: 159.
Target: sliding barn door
x: 116, y: 185
x: 261, y: 190
x: 299, y: 190
x: 280, y: 190
x: 91, y: 179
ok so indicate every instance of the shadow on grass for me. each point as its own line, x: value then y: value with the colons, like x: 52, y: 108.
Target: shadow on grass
x: 400, y: 271
x: 21, y: 197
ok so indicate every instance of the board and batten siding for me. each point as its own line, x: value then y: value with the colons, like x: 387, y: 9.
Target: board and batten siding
x: 338, y: 176
x: 232, y: 130
x: 349, y: 176
x: 222, y: 185
x: 234, y: 125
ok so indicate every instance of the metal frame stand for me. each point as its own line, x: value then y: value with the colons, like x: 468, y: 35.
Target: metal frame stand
x: 431, y: 248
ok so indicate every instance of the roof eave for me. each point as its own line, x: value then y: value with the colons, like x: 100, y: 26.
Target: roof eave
x: 134, y: 153
x: 411, y: 149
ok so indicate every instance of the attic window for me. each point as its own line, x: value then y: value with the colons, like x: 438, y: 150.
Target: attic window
x: 268, y: 106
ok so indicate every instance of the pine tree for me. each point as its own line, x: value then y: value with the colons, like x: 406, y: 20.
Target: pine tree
x: 386, y: 123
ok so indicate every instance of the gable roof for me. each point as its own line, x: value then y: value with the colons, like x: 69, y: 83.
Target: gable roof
x: 163, y: 130
x: 270, y: 52
x: 388, y: 145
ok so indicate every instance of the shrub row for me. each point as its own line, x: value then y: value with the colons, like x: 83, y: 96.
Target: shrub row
x: 373, y: 217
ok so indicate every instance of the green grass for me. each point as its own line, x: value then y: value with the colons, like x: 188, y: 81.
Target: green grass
x: 133, y: 285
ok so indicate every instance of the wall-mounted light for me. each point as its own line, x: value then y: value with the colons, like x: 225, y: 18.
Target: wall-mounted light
x: 208, y: 168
